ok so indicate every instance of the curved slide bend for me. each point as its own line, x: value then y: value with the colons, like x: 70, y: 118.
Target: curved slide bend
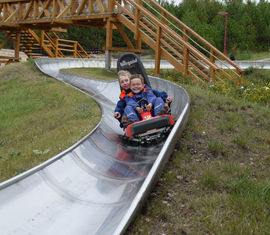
x: 97, y: 185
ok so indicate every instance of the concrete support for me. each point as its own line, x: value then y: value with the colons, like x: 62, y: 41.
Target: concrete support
x: 108, y: 44
x: 108, y: 59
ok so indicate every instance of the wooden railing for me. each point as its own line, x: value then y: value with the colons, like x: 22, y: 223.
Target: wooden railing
x: 55, y: 46
x: 173, y: 40
x: 58, y: 46
x: 170, y: 38
x: 40, y: 39
x: 28, y: 12
x: 63, y: 45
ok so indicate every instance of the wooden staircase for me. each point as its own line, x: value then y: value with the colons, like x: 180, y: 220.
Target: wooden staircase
x: 174, y: 41
x: 36, y: 44
x: 169, y: 38
x: 30, y: 45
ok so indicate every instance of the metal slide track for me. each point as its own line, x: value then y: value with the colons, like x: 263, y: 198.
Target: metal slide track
x: 98, y: 184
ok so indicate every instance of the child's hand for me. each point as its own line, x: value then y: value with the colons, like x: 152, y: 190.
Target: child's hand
x: 139, y: 109
x: 169, y: 99
x: 117, y: 115
x: 149, y: 107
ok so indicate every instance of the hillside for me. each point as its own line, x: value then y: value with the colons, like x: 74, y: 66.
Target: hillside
x: 39, y: 117
x: 217, y: 181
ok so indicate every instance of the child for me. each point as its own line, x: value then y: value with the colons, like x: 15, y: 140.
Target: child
x: 138, y: 92
x: 124, y: 77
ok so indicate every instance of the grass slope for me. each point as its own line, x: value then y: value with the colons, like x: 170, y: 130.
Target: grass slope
x: 217, y: 181
x: 97, y: 73
x: 39, y: 118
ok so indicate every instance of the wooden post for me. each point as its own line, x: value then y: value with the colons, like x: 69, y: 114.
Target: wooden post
x: 137, y: 35
x: 158, y: 52
x: 108, y: 44
x: 110, y: 6
x: 5, y: 11
x: 20, y: 12
x: 90, y: 6
x: 212, y: 59
x: 35, y: 9
x: 185, y: 53
x: 158, y: 45
x: 54, y: 8
x: 56, y: 48
x: 17, y: 46
x: 42, y: 37
x: 75, y: 50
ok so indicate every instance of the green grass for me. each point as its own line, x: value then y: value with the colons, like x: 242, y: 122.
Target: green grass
x: 97, y: 73
x: 39, y: 117
x: 247, y: 55
x: 222, y: 180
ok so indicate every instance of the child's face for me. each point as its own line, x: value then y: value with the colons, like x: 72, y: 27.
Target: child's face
x: 124, y: 82
x: 136, y: 85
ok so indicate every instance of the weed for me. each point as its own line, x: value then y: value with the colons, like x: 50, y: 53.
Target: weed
x: 188, y: 136
x: 241, y: 141
x: 249, y: 71
x: 82, y: 111
x: 260, y: 94
x: 224, y: 126
x: 216, y: 147
x: 170, y: 177
x: 14, y: 155
x: 255, y: 88
x: 265, y: 193
x: 232, y: 168
x: 210, y: 179
x: 3, y: 142
x: 249, y: 190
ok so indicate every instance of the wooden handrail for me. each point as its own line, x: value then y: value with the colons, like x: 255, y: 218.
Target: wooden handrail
x: 189, y: 30
x: 151, y: 25
x: 171, y: 32
x: 179, y: 46
x: 82, y: 50
x: 74, y: 45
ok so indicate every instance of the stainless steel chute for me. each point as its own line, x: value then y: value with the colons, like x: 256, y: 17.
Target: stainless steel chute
x: 98, y: 184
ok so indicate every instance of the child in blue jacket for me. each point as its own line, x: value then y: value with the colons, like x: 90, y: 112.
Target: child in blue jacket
x: 138, y: 92
x: 124, y: 80
x: 123, y: 77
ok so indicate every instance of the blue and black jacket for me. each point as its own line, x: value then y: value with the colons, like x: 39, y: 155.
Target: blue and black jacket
x: 121, y: 104
x: 132, y: 98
